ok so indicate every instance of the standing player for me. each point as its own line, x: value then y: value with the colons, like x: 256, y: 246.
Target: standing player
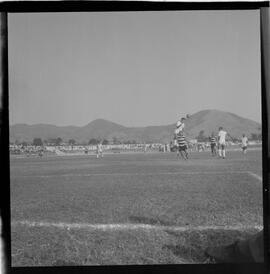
x: 213, y: 144
x: 144, y: 148
x: 99, y: 150
x: 221, y: 142
x: 40, y: 153
x: 244, y: 144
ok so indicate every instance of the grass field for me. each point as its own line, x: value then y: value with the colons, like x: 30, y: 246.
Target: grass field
x: 132, y: 208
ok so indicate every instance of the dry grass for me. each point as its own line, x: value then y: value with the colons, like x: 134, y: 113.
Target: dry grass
x: 188, y: 200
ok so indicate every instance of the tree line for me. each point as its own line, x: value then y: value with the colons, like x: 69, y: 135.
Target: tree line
x: 115, y: 141
x: 204, y: 138
x: 58, y: 141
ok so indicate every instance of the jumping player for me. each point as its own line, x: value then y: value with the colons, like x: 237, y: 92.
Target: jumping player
x: 182, y: 145
x: 180, y: 125
x: 244, y: 144
x: 221, y: 142
x: 213, y: 144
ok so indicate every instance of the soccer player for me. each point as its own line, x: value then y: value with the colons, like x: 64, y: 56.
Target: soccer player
x: 213, y: 144
x: 180, y: 125
x: 144, y: 148
x: 182, y: 145
x: 221, y: 143
x: 244, y: 141
x: 99, y: 150
x: 40, y: 153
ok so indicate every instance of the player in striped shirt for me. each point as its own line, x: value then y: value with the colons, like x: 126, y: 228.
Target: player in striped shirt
x: 244, y: 144
x: 213, y: 144
x: 182, y: 145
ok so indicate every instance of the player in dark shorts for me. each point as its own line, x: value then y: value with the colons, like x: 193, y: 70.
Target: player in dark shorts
x: 244, y: 144
x: 213, y: 144
x: 40, y: 153
x: 182, y: 145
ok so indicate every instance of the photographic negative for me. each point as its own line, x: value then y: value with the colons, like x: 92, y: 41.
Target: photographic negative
x: 135, y: 137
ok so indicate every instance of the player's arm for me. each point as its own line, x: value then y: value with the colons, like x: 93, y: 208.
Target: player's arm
x: 175, y: 140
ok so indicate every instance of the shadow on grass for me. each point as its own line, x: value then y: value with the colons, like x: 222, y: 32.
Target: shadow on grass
x: 148, y: 220
x: 186, y: 252
x: 63, y: 263
x: 191, y: 244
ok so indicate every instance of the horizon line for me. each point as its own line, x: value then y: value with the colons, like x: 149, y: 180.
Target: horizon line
x: 50, y: 124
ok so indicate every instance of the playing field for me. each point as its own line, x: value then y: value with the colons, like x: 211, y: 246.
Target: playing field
x: 131, y: 208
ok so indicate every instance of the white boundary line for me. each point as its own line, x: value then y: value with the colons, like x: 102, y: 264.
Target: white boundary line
x: 137, y: 174
x: 130, y: 226
x: 254, y: 175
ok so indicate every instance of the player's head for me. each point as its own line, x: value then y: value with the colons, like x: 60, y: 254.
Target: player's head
x: 183, y: 119
x: 212, y: 134
x: 220, y: 128
x: 244, y: 135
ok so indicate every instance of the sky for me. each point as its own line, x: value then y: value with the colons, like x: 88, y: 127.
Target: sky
x: 132, y: 68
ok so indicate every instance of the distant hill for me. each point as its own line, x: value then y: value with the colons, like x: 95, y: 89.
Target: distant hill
x: 206, y: 120
x: 211, y: 120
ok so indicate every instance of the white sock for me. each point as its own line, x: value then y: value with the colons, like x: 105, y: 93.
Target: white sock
x: 219, y: 153
x: 223, y: 152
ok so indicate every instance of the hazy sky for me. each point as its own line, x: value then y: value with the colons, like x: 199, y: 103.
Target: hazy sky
x: 132, y: 68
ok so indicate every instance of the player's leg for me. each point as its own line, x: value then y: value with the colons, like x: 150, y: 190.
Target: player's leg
x: 186, y: 153
x: 223, y: 151
x: 182, y: 154
x: 213, y: 147
x: 219, y: 151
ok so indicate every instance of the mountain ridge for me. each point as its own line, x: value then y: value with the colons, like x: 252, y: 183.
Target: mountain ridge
x: 206, y: 120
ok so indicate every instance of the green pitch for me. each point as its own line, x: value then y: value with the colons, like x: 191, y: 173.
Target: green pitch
x: 131, y: 208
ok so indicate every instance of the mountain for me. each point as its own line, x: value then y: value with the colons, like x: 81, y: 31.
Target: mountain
x: 211, y: 120
x: 99, y: 128
x: 24, y: 132
x: 207, y: 120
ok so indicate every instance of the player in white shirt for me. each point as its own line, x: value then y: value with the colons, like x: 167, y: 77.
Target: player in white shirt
x: 99, y: 150
x: 180, y: 125
x: 221, y: 142
x: 244, y: 144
